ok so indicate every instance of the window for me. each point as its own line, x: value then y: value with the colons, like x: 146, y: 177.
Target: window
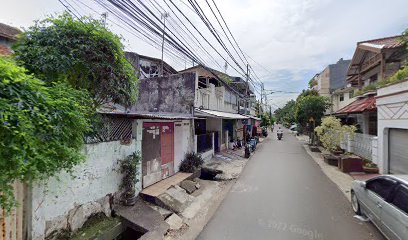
x: 400, y: 199
x: 342, y: 97
x: 381, y: 186
x: 351, y: 94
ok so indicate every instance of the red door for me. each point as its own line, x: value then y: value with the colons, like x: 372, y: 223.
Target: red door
x: 167, y: 149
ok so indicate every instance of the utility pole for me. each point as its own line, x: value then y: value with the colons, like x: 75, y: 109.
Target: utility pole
x: 104, y: 16
x: 247, y: 87
x: 164, y: 16
x: 262, y: 95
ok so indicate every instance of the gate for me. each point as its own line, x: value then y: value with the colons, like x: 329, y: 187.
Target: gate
x: 11, y: 225
x: 157, y: 152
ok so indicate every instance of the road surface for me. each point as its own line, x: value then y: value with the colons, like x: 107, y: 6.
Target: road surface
x: 283, y: 194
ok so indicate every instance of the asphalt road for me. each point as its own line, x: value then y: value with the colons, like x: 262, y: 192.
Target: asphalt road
x: 283, y: 194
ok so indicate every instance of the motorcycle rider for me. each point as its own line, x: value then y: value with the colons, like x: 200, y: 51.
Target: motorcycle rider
x: 279, y: 132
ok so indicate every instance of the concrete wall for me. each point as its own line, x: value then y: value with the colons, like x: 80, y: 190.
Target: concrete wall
x: 323, y: 82
x: 215, y: 125
x: 337, y: 104
x: 392, y: 106
x: 54, y: 199
x: 172, y: 94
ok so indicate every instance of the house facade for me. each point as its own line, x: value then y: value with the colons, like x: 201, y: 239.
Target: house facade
x: 373, y: 61
x: 218, y: 102
x: 8, y: 35
x: 392, y: 105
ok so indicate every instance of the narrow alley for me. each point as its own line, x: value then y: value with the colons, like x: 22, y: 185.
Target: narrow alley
x: 282, y: 194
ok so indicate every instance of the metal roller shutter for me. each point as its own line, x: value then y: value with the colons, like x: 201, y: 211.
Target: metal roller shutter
x: 398, y: 151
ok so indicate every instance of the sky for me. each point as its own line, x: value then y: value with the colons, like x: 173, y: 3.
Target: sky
x: 290, y: 40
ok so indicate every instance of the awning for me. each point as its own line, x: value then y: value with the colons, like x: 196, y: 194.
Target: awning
x: 253, y: 117
x: 359, y: 106
x: 212, y: 113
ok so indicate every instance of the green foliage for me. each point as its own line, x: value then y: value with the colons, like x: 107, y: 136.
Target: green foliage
x: 312, y: 82
x: 81, y: 52
x: 265, y: 120
x: 285, y: 114
x: 129, y: 167
x: 310, y: 106
x: 191, y: 162
x: 307, y: 92
x: 41, y: 128
x: 332, y: 133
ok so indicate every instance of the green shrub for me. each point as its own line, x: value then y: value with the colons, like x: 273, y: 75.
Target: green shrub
x: 191, y: 162
x: 41, y: 128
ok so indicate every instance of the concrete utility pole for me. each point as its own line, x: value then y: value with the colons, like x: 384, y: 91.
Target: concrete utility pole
x: 104, y: 16
x: 262, y: 94
x: 164, y: 16
x: 247, y: 87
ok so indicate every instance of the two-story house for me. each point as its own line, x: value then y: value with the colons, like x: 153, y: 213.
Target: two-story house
x: 217, y: 103
x: 373, y: 61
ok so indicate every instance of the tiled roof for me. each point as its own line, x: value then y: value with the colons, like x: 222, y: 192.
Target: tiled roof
x: 360, y: 105
x: 387, y: 42
x: 9, y: 31
x: 4, y: 50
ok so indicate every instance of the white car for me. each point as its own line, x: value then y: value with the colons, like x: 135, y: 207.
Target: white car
x: 384, y: 200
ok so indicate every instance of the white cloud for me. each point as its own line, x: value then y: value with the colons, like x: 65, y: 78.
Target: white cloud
x: 294, y: 39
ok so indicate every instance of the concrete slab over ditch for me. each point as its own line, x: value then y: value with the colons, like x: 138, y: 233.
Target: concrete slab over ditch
x: 142, y: 218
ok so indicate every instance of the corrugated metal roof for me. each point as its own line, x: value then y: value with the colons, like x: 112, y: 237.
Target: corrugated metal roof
x: 358, y: 106
x: 9, y: 31
x: 253, y: 117
x: 212, y: 113
x: 150, y: 115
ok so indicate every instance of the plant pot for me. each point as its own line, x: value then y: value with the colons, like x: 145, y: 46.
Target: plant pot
x: 372, y: 170
x: 314, y: 149
x: 338, y: 152
x: 350, y: 163
x: 129, y: 198
x: 331, y: 159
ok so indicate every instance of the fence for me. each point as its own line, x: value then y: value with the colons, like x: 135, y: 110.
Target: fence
x: 363, y: 145
x: 11, y: 224
x: 111, y: 129
x: 204, y: 142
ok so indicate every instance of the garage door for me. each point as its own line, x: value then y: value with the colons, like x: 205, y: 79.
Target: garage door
x: 398, y: 151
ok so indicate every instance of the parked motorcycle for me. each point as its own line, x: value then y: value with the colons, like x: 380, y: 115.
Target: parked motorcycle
x: 247, y: 150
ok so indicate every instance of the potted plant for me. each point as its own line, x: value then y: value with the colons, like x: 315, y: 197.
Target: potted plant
x: 192, y: 163
x: 370, y: 167
x: 129, y: 167
x: 331, y: 133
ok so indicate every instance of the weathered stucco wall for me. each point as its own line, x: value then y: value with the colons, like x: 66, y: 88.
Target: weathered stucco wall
x: 54, y: 200
x: 172, y: 94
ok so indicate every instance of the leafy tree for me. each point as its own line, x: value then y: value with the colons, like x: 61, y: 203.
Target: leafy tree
x: 82, y: 53
x: 41, y: 128
x: 310, y: 106
x: 285, y: 114
x: 307, y: 92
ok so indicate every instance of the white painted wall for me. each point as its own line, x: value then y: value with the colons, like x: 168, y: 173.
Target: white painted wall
x: 90, y: 181
x: 183, y: 141
x: 392, y: 106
